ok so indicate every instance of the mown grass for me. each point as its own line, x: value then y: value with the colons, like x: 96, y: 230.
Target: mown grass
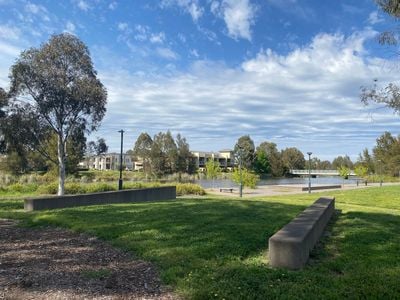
x: 216, y: 248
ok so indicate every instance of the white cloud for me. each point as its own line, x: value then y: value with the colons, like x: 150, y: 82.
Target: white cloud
x: 9, y: 32
x: 191, y: 7
x: 167, y: 53
x: 375, y: 18
x: 33, y: 8
x: 239, y: 16
x: 70, y: 27
x: 113, y: 5
x: 36, y: 10
x: 194, y: 53
x: 8, y: 49
x: 307, y: 98
x: 82, y: 5
x: 122, y: 26
x: 157, y: 38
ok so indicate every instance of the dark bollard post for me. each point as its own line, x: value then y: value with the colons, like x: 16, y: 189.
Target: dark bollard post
x: 357, y: 182
x: 120, y: 161
x: 380, y: 183
x: 366, y: 182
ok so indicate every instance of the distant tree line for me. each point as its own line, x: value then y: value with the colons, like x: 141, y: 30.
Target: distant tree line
x: 163, y: 155
x: 266, y: 159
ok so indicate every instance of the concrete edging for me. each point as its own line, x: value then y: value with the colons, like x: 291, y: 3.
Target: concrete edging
x: 124, y: 196
x: 322, y: 187
x: 290, y: 247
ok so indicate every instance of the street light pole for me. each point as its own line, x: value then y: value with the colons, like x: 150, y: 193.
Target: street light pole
x: 309, y: 172
x: 120, y: 160
x: 240, y: 173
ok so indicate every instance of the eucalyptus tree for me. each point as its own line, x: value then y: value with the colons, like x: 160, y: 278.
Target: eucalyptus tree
x: 292, y: 158
x: 3, y: 103
x: 389, y: 95
x: 184, y: 156
x: 245, y: 151
x: 97, y: 147
x: 142, y: 149
x: 274, y: 158
x: 55, y: 89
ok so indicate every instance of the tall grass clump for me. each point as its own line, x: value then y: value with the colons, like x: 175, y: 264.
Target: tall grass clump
x: 189, y: 189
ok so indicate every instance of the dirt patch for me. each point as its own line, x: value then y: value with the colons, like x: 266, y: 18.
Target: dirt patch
x: 53, y: 263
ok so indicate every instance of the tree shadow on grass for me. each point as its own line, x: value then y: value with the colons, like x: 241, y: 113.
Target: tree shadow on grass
x: 361, y: 259
x: 216, y: 248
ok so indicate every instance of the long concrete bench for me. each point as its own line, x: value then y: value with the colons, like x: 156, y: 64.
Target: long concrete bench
x: 290, y: 247
x: 124, y: 196
x: 322, y: 187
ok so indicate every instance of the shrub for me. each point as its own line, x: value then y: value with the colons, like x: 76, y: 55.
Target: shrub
x: 189, y: 189
x: 100, y: 187
x: 73, y: 188
x: 22, y: 188
x: 50, y: 188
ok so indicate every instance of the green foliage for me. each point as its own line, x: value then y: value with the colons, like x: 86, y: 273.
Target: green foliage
x: 189, y: 189
x: 142, y: 150
x: 292, y: 158
x: 344, y: 172
x: 274, y: 158
x: 212, y: 169
x: 361, y: 171
x: 340, y: 161
x: 249, y: 179
x: 21, y: 188
x: 245, y: 151
x: 261, y: 163
x: 48, y: 189
x: 387, y: 155
x: 64, y: 97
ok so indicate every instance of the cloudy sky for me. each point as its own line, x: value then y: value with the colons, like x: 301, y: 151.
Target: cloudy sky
x: 287, y: 71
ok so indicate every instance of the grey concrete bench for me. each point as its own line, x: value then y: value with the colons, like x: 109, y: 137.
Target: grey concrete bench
x: 290, y: 247
x: 226, y: 190
x: 114, y: 197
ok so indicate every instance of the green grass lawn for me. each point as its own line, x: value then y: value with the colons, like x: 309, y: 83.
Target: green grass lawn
x: 216, y: 248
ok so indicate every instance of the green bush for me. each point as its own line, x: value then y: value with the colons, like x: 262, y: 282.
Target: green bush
x: 22, y: 188
x: 189, y: 189
x: 73, y: 188
x: 100, y: 187
x: 48, y: 189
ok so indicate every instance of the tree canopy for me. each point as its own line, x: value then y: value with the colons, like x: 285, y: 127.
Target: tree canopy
x: 55, y: 89
x: 245, y: 151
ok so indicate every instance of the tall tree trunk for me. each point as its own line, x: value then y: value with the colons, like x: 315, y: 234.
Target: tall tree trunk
x: 61, y: 165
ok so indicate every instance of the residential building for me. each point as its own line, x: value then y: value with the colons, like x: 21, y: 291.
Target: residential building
x: 110, y: 161
x: 224, y: 157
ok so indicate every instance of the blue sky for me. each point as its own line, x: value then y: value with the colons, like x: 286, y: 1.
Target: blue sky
x: 288, y: 71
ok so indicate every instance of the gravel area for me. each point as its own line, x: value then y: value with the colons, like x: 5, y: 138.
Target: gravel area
x: 54, y: 263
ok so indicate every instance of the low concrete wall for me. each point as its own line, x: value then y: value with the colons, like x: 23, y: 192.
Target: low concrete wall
x: 322, y: 187
x: 124, y: 196
x: 290, y: 247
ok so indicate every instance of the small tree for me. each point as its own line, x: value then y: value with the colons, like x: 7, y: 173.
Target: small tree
x: 361, y: 171
x: 55, y: 89
x: 249, y: 179
x: 344, y: 172
x: 212, y: 170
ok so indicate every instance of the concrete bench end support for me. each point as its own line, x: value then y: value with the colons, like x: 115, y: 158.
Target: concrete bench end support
x: 290, y: 247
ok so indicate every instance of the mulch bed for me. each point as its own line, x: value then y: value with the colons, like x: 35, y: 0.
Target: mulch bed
x: 54, y: 263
